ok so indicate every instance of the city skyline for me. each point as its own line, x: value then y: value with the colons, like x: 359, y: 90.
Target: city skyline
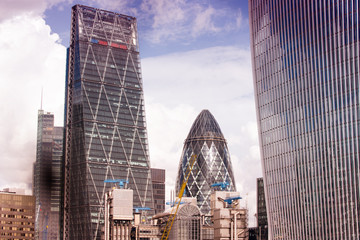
x: 214, y: 50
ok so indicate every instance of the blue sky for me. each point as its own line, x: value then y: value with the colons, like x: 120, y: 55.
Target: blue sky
x: 194, y: 54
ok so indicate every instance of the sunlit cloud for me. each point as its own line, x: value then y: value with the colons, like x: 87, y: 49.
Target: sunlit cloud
x: 31, y: 60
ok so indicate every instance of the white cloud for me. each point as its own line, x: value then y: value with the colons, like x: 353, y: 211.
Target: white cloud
x: 31, y: 59
x: 12, y: 8
x: 204, y: 22
x: 178, y: 86
x: 183, y: 20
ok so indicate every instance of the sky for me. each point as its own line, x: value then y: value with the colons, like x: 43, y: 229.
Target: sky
x: 195, y: 55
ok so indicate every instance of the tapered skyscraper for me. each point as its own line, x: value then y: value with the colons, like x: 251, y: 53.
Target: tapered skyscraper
x: 212, y: 165
x: 106, y: 135
x: 305, y: 57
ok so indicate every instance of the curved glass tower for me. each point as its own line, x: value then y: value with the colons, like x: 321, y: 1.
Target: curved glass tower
x: 306, y: 76
x: 206, y: 141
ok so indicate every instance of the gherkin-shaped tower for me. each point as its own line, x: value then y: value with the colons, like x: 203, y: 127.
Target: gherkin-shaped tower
x: 212, y: 165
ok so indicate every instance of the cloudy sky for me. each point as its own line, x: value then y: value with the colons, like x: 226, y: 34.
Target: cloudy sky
x: 195, y: 54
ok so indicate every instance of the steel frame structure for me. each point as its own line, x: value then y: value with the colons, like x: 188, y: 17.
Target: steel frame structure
x: 105, y: 135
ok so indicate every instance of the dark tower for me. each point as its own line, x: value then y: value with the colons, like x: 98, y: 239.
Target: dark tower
x: 105, y: 134
x: 206, y: 141
x: 46, y: 186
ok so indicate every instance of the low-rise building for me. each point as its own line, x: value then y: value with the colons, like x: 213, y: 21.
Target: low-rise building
x: 17, y: 216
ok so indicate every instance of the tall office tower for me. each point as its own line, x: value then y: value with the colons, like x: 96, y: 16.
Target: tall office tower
x: 106, y: 135
x: 158, y: 185
x: 212, y: 164
x: 46, y: 187
x: 305, y: 57
x: 261, y: 211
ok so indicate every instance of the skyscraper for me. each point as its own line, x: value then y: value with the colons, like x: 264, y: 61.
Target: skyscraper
x: 262, y: 228
x: 106, y: 135
x: 46, y: 187
x: 305, y: 57
x: 213, y: 164
x: 158, y: 184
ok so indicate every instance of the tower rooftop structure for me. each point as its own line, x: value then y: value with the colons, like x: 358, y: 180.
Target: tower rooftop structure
x: 205, y: 127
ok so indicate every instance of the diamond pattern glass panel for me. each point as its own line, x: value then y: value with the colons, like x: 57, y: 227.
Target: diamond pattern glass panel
x: 106, y: 135
x: 212, y: 165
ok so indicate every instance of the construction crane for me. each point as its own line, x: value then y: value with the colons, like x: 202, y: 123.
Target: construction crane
x: 171, y: 203
x: 222, y: 185
x: 37, y: 220
x: 174, y: 210
x: 120, y: 181
x: 137, y: 209
x: 45, y: 231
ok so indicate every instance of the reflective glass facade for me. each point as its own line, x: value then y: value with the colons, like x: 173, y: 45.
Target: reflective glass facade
x: 262, y: 227
x: 106, y: 135
x: 46, y: 186
x: 306, y: 76
x: 212, y: 165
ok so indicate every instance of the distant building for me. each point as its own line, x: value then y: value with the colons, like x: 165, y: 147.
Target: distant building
x: 46, y: 185
x: 253, y: 233
x: 212, y: 165
x: 158, y: 183
x: 261, y: 211
x: 105, y: 135
x: 17, y: 216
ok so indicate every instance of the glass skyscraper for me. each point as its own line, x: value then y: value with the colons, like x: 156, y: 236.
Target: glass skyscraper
x: 212, y: 164
x: 105, y: 135
x: 46, y: 185
x: 305, y: 57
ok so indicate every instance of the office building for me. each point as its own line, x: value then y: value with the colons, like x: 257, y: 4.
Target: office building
x: 106, y: 136
x: 17, y: 216
x: 305, y: 57
x: 212, y: 165
x: 262, y: 227
x: 46, y: 185
x: 158, y: 185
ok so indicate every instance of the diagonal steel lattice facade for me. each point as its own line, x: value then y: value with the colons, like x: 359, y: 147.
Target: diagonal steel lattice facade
x: 213, y: 164
x: 105, y: 135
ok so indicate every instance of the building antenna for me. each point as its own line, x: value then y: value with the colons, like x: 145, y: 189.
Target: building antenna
x: 41, y: 98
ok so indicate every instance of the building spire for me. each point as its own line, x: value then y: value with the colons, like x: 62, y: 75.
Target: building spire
x: 41, y: 103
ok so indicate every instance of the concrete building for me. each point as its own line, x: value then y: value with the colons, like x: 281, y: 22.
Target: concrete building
x: 158, y: 184
x: 46, y: 185
x: 119, y: 214
x: 305, y: 58
x: 106, y: 135
x: 229, y: 220
x: 17, y: 216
